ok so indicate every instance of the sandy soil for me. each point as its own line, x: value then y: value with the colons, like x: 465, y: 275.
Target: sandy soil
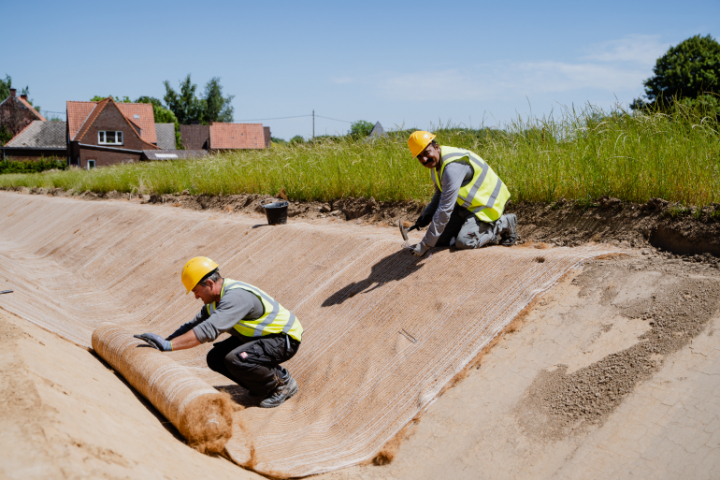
x: 65, y: 415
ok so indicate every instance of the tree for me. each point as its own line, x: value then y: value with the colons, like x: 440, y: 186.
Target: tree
x: 188, y: 108
x: 297, y: 139
x: 5, y: 86
x: 689, y: 73
x: 185, y: 105
x: 360, y: 129
x: 217, y: 108
x: 5, y: 135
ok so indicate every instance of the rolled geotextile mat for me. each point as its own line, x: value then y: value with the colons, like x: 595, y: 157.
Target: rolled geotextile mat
x: 201, y: 414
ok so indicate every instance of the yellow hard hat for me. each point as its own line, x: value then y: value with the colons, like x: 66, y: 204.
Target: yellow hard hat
x: 194, y: 271
x: 418, y: 141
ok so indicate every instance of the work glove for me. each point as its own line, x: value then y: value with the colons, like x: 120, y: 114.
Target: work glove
x: 156, y: 341
x: 420, y: 249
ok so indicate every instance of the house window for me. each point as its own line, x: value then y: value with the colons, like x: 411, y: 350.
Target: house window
x: 108, y: 137
x: 90, y: 164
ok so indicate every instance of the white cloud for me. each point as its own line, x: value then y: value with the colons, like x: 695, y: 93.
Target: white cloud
x: 641, y: 49
x: 561, y: 77
x: 617, y: 66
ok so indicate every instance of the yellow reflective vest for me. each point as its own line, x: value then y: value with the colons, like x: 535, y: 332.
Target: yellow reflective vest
x: 276, y: 318
x: 485, y: 195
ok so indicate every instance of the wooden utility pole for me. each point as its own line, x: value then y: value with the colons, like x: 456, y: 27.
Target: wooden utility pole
x: 313, y: 124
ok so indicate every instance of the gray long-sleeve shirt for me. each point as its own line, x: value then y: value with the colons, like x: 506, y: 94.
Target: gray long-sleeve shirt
x: 235, y: 305
x: 456, y: 175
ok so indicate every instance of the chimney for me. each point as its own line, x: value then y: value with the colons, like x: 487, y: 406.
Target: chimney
x: 24, y: 97
x: 13, y: 91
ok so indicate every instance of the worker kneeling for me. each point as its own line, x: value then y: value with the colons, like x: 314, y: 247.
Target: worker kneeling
x: 467, y: 207
x: 263, y: 334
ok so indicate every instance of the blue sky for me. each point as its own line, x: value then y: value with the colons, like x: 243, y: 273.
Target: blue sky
x: 411, y: 64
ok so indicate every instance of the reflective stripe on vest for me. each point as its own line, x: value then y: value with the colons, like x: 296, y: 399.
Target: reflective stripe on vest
x: 485, y: 195
x: 276, y: 318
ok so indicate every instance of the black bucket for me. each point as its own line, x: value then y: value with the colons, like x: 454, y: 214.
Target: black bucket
x: 276, y: 212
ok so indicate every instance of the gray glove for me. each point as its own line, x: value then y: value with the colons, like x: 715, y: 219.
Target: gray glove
x: 156, y: 341
x: 420, y: 249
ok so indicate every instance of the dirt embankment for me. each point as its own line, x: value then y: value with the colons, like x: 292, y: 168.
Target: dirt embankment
x: 670, y: 227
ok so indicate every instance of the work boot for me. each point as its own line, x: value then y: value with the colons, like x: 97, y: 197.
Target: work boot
x: 509, y: 235
x: 287, y: 388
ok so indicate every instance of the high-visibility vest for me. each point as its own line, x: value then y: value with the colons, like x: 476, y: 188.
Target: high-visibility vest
x: 276, y: 318
x: 485, y: 195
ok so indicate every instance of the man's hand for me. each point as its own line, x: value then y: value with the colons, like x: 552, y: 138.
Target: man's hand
x: 420, y: 249
x: 156, y: 341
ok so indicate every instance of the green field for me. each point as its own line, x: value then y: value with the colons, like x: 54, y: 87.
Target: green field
x: 575, y: 155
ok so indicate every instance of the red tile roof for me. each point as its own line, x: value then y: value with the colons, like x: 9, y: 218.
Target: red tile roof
x: 146, y: 120
x: 236, y: 136
x: 78, y: 113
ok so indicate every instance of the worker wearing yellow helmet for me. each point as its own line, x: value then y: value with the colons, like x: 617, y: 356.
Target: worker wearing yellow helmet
x: 467, y: 209
x: 263, y: 334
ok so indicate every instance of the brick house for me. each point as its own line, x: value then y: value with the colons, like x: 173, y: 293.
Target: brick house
x: 107, y: 133
x: 219, y: 137
x: 16, y: 113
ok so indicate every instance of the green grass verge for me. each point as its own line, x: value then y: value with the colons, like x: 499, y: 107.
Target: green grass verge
x: 577, y: 155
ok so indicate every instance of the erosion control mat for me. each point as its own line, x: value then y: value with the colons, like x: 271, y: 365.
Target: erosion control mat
x: 384, y: 331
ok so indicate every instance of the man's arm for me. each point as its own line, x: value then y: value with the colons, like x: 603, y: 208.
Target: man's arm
x: 426, y: 216
x: 235, y: 305
x: 453, y: 177
x: 185, y: 341
x: 186, y: 327
x: 171, y: 342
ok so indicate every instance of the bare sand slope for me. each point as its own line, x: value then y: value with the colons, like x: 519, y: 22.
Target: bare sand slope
x: 64, y: 415
x: 615, y: 373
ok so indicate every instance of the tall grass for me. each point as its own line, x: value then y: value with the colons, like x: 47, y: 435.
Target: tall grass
x: 576, y: 155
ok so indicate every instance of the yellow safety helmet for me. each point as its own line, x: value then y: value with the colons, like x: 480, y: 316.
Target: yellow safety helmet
x: 194, y: 271
x: 418, y: 141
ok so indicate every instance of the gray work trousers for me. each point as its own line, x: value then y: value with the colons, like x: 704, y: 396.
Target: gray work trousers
x: 469, y: 232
